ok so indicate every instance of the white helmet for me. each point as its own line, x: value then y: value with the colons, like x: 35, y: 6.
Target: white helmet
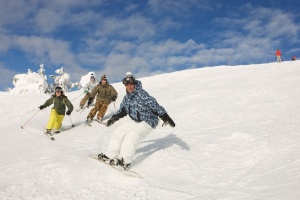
x: 129, y: 74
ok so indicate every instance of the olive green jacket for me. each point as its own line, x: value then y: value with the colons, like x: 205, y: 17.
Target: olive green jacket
x: 104, y: 93
x: 59, y: 104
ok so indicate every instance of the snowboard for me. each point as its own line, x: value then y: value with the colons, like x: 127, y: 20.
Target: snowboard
x: 121, y: 170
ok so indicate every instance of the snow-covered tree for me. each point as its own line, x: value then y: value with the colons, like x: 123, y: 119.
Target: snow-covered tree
x: 37, y: 81
x: 63, y: 80
x: 31, y: 81
x: 42, y: 70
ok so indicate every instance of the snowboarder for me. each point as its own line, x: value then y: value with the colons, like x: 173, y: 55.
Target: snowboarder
x: 106, y: 93
x: 60, y: 102
x: 87, y: 90
x: 137, y: 82
x: 143, y: 110
x: 278, y: 55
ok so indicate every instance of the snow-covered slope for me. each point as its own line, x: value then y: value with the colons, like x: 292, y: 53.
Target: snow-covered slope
x: 237, y: 136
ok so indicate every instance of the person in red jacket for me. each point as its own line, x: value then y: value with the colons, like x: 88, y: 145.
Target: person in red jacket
x: 278, y: 55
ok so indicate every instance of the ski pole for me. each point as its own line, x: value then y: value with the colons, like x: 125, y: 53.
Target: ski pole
x: 71, y: 121
x: 78, y: 97
x: 29, y: 119
x: 83, y: 109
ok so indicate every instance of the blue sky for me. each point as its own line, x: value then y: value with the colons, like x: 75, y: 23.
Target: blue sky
x: 145, y: 37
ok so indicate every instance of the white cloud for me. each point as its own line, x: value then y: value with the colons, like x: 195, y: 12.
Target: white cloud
x: 131, y: 7
x: 255, y: 36
x: 13, y: 12
x: 132, y: 27
x: 54, y: 52
x: 5, y: 43
x: 167, y: 48
x: 6, y: 76
x: 272, y: 23
x: 47, y: 21
x: 179, y: 8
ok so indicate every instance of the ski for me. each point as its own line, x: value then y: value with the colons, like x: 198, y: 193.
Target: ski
x: 100, y: 122
x: 50, y: 136
x: 82, y: 109
x: 121, y: 170
x: 88, y: 123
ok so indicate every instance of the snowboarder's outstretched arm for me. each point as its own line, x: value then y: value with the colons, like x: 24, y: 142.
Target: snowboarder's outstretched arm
x: 116, y: 117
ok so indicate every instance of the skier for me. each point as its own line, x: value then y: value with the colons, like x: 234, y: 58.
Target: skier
x: 106, y: 93
x: 143, y: 110
x: 294, y: 58
x: 60, y: 102
x: 87, y: 90
x: 278, y: 55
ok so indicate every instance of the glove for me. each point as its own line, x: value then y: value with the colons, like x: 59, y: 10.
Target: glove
x: 109, y: 122
x: 90, y: 101
x: 68, y: 112
x: 167, y: 120
x: 113, y: 98
x: 112, y: 120
x: 41, y: 107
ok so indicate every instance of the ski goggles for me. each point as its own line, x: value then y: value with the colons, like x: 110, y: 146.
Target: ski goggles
x: 128, y: 80
x: 103, y: 77
x: 58, y: 90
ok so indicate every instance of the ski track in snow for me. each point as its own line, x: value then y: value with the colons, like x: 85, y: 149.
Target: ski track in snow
x: 236, y: 137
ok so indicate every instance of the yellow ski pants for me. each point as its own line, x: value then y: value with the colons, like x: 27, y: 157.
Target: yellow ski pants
x: 55, y: 120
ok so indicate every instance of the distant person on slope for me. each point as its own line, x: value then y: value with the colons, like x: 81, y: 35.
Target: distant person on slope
x: 87, y: 90
x: 106, y: 93
x: 143, y: 111
x: 60, y: 102
x: 293, y: 58
x: 278, y: 55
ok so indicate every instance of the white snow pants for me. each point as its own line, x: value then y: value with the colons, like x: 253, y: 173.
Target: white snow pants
x: 125, y: 139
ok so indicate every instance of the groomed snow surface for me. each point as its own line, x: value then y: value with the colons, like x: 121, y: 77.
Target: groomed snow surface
x: 237, y: 137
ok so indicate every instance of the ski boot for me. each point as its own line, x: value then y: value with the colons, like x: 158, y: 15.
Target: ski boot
x: 99, y: 120
x: 56, y: 131
x: 122, y: 163
x: 88, y: 121
x: 48, y: 131
x: 103, y: 157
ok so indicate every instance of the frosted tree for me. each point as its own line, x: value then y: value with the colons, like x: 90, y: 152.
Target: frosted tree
x: 62, y: 80
x: 29, y: 82
x: 41, y: 71
x: 37, y: 81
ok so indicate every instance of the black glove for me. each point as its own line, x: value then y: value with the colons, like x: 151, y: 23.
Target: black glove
x: 41, y: 107
x: 113, y: 98
x: 68, y: 112
x: 112, y: 120
x: 109, y: 122
x: 167, y: 120
x: 90, y: 101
